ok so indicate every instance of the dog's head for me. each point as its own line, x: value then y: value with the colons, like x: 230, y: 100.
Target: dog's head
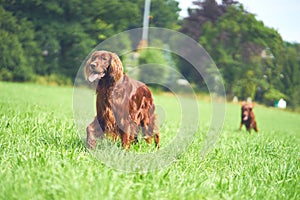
x: 246, y: 110
x: 103, y: 64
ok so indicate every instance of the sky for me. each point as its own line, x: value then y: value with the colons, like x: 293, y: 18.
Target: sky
x: 282, y: 15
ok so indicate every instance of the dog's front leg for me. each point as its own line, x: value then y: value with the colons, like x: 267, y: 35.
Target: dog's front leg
x: 91, y: 132
x: 125, y: 137
x: 241, y: 125
x: 255, y: 126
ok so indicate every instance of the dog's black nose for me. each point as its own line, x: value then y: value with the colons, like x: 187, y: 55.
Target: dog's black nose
x: 92, y: 66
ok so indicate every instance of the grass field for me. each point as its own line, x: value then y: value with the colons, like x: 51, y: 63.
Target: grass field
x: 42, y: 156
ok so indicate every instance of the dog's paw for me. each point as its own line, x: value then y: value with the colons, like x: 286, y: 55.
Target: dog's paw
x: 91, y: 144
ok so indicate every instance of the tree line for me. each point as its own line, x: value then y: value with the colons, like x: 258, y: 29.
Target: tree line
x: 46, y: 41
x: 254, y: 60
x: 53, y: 37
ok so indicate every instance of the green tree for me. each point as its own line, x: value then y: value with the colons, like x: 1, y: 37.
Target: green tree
x: 153, y: 67
x: 66, y: 31
x: 165, y: 14
x: 236, y: 41
x: 17, y: 48
x: 291, y: 73
x: 206, y: 11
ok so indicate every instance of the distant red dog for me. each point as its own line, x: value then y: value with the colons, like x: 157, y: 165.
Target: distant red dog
x: 124, y: 105
x: 248, y: 117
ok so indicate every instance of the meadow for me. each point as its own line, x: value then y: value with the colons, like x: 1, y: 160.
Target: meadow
x: 42, y: 155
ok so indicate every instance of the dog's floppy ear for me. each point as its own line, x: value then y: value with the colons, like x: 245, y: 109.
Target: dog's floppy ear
x: 116, y: 66
x: 116, y: 63
x: 87, y: 66
x: 243, y: 103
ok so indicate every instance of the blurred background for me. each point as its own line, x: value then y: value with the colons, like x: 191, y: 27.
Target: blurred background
x: 45, y: 42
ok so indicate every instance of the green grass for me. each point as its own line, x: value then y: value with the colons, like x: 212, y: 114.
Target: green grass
x: 42, y: 155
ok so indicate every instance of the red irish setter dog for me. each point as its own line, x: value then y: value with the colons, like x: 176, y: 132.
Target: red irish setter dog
x: 124, y: 105
x: 248, y: 117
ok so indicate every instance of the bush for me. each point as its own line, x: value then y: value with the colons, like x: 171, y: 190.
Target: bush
x: 153, y: 67
x: 295, y: 98
x: 272, y: 95
x: 52, y: 79
x: 6, y: 75
x: 246, y: 86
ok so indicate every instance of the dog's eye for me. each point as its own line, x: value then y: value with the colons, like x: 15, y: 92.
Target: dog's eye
x: 103, y: 58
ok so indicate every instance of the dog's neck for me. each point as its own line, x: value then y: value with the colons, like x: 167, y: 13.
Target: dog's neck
x: 106, y: 85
